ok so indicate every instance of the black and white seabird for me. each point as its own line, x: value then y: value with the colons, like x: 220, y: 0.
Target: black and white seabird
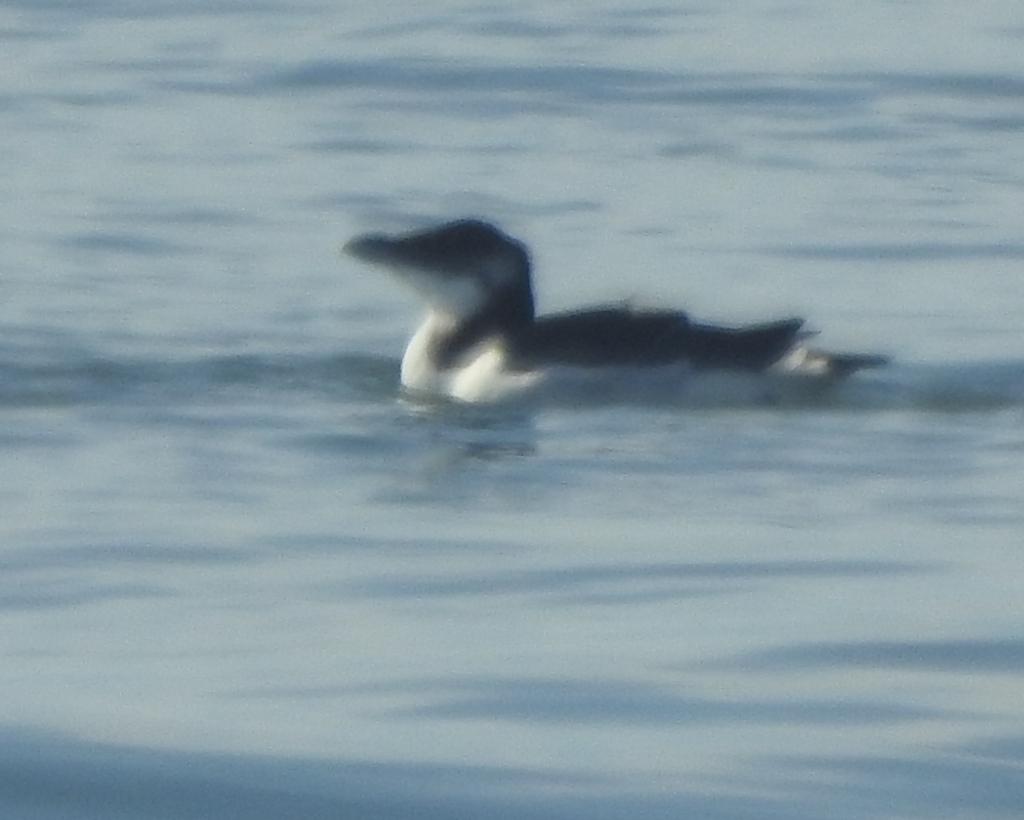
x: 481, y: 340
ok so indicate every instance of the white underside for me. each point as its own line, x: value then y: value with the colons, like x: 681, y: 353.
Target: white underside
x: 483, y: 378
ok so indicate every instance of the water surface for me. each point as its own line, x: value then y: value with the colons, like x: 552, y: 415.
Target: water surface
x: 241, y: 574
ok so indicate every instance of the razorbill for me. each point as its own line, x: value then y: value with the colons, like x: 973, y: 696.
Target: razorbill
x: 482, y: 341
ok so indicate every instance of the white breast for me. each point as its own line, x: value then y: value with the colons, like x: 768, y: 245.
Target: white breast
x: 419, y: 372
x: 481, y: 375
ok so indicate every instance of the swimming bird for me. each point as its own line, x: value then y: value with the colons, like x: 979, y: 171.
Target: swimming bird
x: 482, y: 340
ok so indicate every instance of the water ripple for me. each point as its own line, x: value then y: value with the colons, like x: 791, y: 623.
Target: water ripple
x: 948, y: 655
x: 588, y: 579
x: 588, y: 702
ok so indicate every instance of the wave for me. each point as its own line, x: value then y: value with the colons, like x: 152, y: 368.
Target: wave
x: 80, y: 379
x: 949, y: 387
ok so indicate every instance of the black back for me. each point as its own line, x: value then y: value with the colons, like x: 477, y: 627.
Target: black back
x: 621, y: 336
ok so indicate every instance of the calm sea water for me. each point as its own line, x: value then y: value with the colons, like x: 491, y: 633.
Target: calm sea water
x: 240, y: 576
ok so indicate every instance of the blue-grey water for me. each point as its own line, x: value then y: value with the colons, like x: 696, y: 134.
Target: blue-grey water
x: 241, y: 576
